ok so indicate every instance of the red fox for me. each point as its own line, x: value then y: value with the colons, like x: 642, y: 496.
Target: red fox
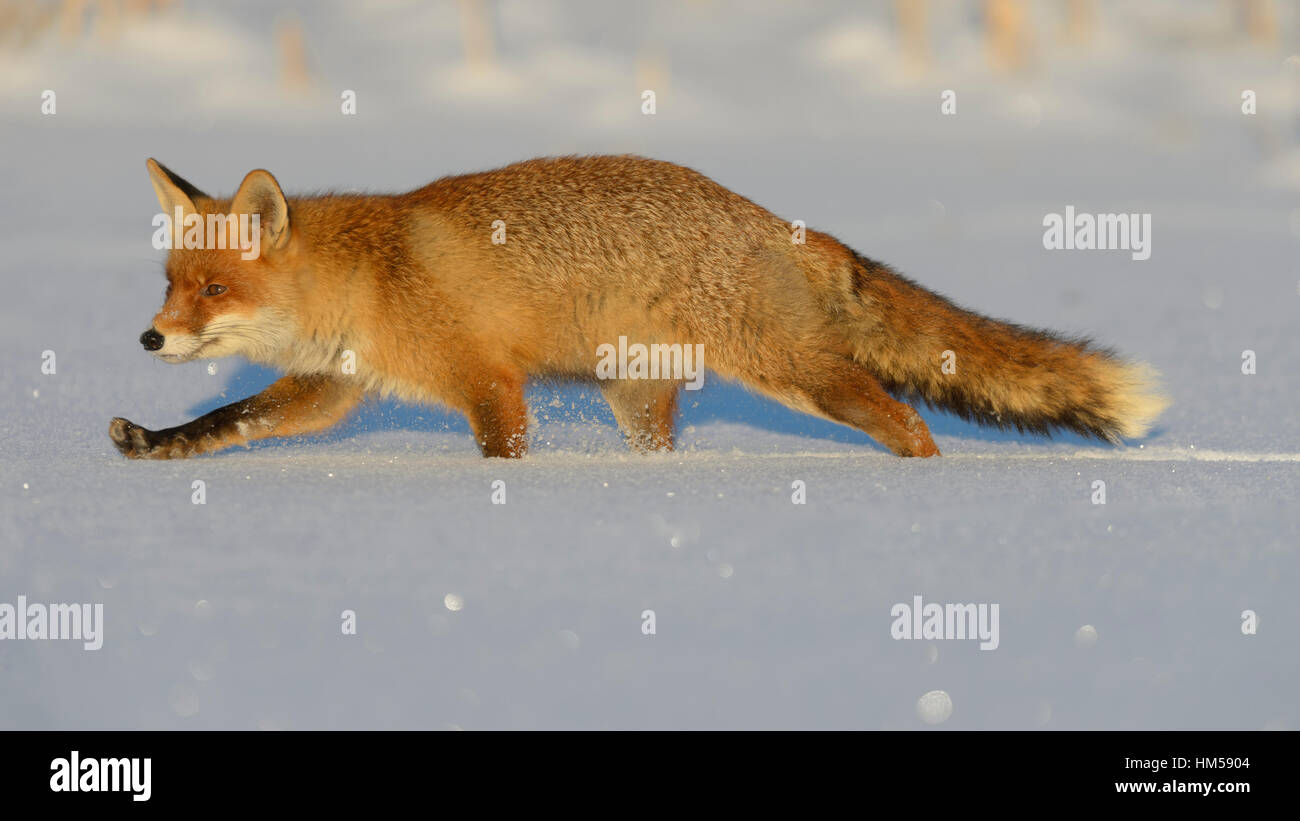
x: 462, y: 291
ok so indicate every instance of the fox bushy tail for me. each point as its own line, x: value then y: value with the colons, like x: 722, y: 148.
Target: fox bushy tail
x: 995, y: 373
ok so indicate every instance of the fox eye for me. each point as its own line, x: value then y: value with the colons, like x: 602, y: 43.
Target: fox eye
x: 214, y: 290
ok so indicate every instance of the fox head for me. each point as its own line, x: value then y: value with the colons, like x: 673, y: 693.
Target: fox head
x: 229, y: 271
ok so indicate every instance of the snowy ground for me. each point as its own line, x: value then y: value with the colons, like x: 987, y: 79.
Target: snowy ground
x: 768, y: 614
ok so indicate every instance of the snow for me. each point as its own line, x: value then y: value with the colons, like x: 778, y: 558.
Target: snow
x: 529, y: 614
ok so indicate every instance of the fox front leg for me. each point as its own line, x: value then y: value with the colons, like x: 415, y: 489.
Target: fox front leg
x: 494, y: 403
x: 290, y: 406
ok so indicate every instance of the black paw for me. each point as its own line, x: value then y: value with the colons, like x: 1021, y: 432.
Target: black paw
x: 132, y: 440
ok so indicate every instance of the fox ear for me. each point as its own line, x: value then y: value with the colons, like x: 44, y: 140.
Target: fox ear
x: 172, y: 189
x: 260, y: 194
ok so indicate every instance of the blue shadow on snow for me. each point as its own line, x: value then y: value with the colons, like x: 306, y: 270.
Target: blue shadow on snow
x: 718, y: 401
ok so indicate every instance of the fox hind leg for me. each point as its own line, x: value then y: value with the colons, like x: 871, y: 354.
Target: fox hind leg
x: 845, y: 392
x: 645, y: 409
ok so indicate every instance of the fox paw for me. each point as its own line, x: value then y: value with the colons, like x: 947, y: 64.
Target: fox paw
x: 914, y: 439
x: 919, y: 443
x: 136, y: 442
x: 131, y: 439
x: 924, y: 449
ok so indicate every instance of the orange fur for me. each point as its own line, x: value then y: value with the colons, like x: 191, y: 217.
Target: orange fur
x: 414, y: 290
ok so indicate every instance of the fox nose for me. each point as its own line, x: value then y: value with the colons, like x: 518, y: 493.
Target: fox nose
x: 151, y: 340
